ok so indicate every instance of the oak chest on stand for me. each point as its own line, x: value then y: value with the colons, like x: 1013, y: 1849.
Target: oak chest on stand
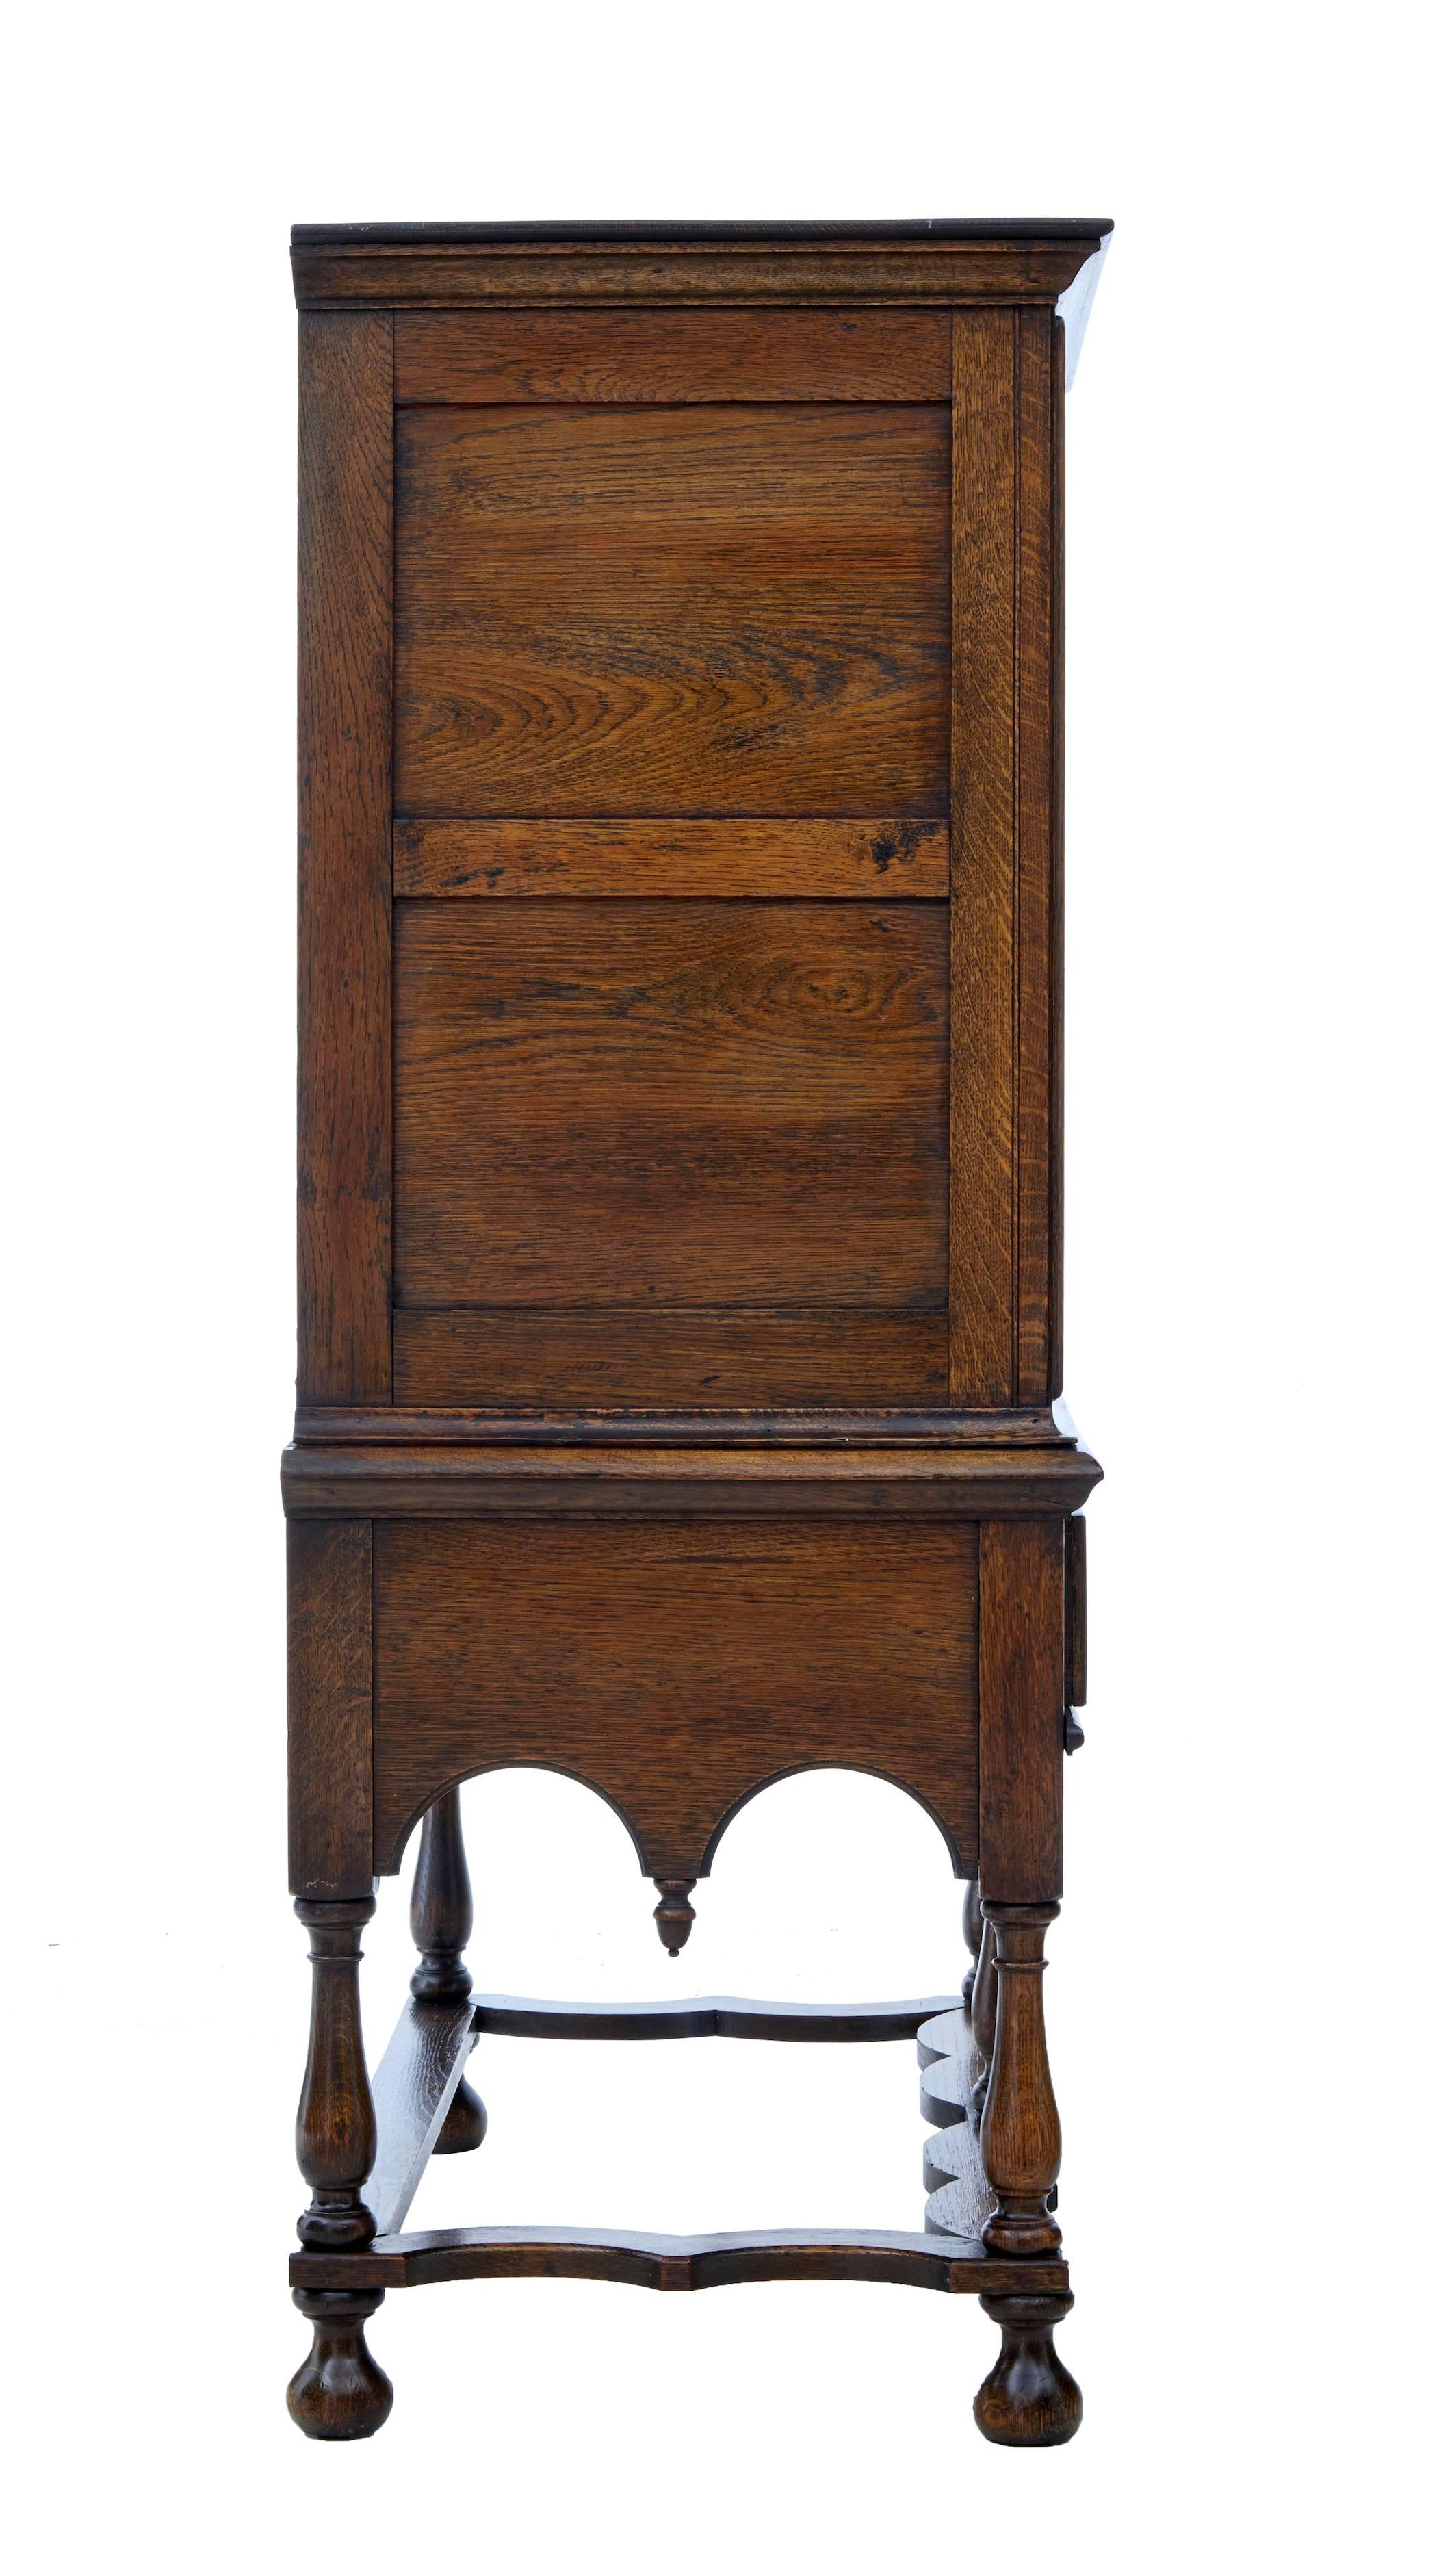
x: 679, y: 1212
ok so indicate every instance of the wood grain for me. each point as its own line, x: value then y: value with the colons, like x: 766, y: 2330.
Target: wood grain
x: 891, y: 857
x: 329, y: 1709
x: 714, y: 609
x: 982, y: 923
x: 674, y: 1667
x: 1021, y: 1704
x: 684, y: 356
x: 344, y: 925
x: 502, y: 1356
x: 691, y: 1104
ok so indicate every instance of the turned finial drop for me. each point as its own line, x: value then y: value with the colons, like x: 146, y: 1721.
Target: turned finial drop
x: 674, y: 1913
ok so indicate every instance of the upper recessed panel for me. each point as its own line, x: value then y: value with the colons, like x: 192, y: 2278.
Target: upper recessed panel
x: 713, y: 609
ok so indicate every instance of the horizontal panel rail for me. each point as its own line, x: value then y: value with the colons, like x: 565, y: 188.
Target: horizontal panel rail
x: 903, y: 856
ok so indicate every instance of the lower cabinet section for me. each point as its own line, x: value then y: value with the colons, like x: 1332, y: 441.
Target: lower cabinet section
x: 676, y: 1666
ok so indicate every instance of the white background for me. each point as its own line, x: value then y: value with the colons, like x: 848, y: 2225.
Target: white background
x: 1238, y: 1997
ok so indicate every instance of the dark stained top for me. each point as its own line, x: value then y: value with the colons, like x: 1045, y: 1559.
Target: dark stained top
x: 917, y: 228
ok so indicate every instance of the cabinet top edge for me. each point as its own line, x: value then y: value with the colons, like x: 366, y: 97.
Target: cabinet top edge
x: 916, y: 229
x: 380, y: 268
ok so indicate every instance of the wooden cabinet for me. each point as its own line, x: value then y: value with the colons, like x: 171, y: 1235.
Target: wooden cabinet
x: 680, y: 1052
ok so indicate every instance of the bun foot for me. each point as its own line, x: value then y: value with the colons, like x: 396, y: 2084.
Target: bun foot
x: 674, y: 1913
x: 465, y: 2123
x: 1029, y: 2401
x: 340, y: 2394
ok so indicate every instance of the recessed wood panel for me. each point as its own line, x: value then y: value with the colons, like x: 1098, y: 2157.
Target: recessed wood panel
x: 611, y: 356
x: 675, y: 1667
x: 637, y: 1357
x: 894, y: 856
x: 698, y: 1104
x: 673, y: 610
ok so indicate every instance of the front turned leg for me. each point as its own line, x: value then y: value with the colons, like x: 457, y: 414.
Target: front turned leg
x: 1029, y: 2398
x: 442, y: 1917
x: 338, y: 2394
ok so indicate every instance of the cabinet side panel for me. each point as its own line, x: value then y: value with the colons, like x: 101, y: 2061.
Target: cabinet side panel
x: 346, y: 480
x: 982, y: 845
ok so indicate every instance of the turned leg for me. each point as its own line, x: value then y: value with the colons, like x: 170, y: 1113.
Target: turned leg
x: 340, y: 2394
x: 335, y: 2127
x: 1029, y: 2401
x: 1029, y: 2398
x: 1019, y: 2134
x: 973, y: 1922
x: 442, y: 1917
